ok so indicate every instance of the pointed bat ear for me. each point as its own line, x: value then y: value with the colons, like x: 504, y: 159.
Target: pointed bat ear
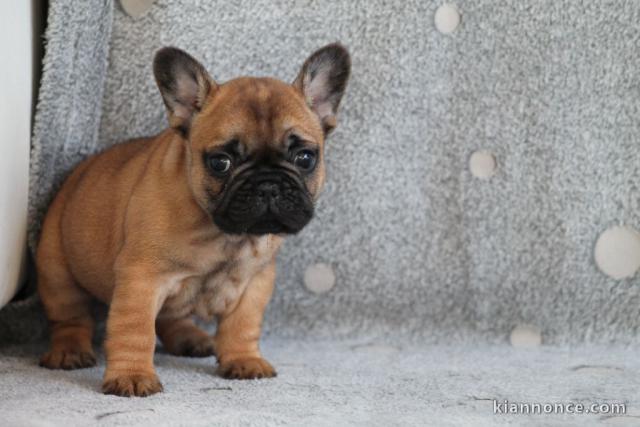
x: 184, y: 85
x: 323, y: 80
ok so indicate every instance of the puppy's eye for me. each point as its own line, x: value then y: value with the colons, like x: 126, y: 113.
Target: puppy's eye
x: 305, y: 160
x: 219, y: 164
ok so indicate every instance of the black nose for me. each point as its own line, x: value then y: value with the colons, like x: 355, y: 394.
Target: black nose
x: 269, y: 190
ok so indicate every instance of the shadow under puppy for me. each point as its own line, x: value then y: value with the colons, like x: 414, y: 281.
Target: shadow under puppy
x: 187, y: 222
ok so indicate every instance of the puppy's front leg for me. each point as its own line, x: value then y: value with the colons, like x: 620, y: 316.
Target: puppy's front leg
x: 236, y: 340
x: 131, y: 336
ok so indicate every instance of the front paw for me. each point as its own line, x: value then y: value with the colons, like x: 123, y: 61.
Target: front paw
x: 246, y: 368
x: 132, y: 385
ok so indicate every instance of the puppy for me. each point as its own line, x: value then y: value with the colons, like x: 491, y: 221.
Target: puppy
x: 188, y: 222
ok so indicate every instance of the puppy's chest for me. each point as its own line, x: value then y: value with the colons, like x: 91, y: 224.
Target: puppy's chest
x: 220, y: 284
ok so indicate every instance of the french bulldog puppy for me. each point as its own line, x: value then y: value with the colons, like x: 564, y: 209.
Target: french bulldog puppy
x: 188, y: 222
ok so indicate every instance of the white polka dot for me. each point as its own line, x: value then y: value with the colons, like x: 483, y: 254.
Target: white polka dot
x: 447, y: 18
x: 526, y: 336
x: 482, y: 164
x: 136, y: 8
x: 319, y: 278
x: 617, y: 252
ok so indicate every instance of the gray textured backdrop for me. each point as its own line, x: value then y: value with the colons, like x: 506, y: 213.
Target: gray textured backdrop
x: 419, y: 246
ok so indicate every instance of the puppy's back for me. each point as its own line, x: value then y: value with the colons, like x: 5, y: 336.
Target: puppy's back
x: 84, y: 223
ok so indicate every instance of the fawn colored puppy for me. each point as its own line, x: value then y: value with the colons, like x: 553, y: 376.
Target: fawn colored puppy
x: 188, y: 222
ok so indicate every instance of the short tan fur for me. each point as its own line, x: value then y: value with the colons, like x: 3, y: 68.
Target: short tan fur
x: 133, y: 226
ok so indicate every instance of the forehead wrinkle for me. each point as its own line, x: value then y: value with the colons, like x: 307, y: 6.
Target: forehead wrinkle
x: 259, y: 111
x: 261, y: 108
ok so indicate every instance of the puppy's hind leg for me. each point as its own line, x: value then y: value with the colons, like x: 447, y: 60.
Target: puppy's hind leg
x: 181, y: 337
x: 67, y: 308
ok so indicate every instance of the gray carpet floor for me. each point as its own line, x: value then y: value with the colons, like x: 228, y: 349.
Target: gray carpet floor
x: 329, y: 383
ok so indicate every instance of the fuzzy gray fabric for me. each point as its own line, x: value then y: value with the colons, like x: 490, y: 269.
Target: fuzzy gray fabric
x: 420, y: 247
x: 338, y: 383
x: 69, y: 100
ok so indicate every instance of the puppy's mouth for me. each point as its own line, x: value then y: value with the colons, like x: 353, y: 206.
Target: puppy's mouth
x: 264, y: 201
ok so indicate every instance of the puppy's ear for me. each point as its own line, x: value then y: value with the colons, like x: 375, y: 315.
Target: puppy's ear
x: 184, y: 85
x: 322, y: 81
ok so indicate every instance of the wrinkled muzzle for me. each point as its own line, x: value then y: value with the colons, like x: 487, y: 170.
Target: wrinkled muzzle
x: 264, y: 202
